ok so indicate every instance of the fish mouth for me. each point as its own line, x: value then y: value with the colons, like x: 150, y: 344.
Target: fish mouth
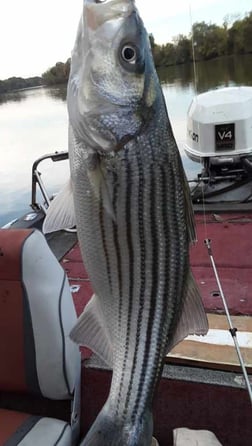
x: 98, y: 12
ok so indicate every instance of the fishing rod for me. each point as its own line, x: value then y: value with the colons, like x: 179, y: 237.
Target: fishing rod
x: 233, y: 330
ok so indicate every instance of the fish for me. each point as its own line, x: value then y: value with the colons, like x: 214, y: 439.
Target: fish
x: 129, y: 198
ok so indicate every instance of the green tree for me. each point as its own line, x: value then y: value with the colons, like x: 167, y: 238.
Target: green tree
x: 199, y: 32
x: 247, y: 34
x: 235, y: 38
x: 209, y: 40
x: 183, y: 49
x: 18, y: 83
x: 58, y: 74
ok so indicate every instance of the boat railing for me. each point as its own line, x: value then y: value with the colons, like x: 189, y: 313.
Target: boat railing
x: 37, y: 182
x: 40, y: 197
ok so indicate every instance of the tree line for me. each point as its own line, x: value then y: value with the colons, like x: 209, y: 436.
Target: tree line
x: 206, y: 41
x: 58, y: 74
x: 18, y: 83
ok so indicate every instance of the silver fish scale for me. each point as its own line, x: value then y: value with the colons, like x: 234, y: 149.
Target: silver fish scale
x: 138, y: 263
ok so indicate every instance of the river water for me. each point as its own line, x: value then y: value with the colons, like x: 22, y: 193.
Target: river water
x: 34, y: 122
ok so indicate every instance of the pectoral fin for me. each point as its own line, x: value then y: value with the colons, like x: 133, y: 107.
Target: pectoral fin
x: 60, y: 214
x: 100, y: 188
x: 193, y: 319
x: 90, y: 330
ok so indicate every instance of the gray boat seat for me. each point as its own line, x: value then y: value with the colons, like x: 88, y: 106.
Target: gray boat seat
x: 38, y: 361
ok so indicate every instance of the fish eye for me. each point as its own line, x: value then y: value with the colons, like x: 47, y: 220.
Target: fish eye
x: 129, y: 54
x: 100, y: 1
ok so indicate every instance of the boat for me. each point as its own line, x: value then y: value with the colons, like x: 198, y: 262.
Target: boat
x: 202, y: 385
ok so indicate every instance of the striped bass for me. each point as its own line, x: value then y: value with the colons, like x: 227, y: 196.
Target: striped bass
x: 130, y: 198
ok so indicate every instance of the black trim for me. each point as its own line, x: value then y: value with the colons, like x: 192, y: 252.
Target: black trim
x: 31, y: 374
x: 63, y: 338
x: 32, y: 381
x: 22, y: 431
x: 62, y: 434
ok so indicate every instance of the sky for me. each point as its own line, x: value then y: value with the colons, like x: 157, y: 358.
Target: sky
x: 36, y: 35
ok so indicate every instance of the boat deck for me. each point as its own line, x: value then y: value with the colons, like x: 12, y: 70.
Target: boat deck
x: 231, y: 244
x: 234, y: 264
x: 202, y: 386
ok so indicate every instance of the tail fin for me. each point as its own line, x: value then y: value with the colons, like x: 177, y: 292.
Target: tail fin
x: 110, y: 431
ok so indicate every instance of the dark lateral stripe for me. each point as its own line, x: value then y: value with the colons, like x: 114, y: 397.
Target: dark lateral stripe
x: 182, y: 234
x: 167, y: 244
x: 104, y: 243
x: 141, y: 236
x: 164, y: 256
x: 167, y: 196
x: 128, y: 214
x: 117, y: 248
x: 119, y: 271
x: 176, y: 268
x: 130, y: 248
x: 153, y: 303
x: 166, y: 225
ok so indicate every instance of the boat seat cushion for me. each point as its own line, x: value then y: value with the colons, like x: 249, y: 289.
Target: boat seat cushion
x: 36, y: 316
x: 22, y: 429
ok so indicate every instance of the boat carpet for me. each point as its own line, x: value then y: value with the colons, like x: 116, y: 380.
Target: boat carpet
x: 231, y: 242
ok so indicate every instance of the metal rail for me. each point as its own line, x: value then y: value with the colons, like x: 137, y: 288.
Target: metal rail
x: 232, y: 329
x: 37, y: 180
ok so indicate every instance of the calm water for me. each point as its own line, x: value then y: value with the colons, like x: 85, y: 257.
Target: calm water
x: 34, y: 122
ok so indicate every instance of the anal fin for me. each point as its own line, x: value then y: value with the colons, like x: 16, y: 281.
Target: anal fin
x: 193, y: 319
x: 90, y: 330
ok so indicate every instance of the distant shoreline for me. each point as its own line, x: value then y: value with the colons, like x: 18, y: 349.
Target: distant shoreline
x: 13, y: 84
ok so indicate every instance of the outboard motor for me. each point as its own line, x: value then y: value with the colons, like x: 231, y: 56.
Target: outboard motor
x: 219, y: 136
x: 219, y: 125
